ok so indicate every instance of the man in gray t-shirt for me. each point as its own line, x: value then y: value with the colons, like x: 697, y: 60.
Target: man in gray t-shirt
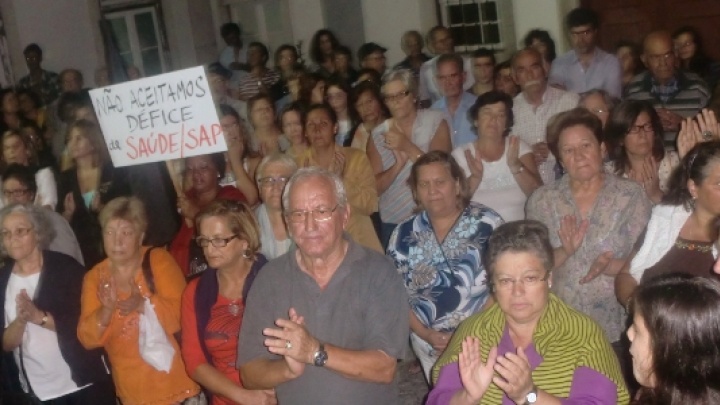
x: 326, y: 322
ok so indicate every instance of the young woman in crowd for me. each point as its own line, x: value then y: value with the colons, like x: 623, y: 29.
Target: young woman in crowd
x: 337, y: 96
x: 292, y: 124
x: 18, y: 149
x: 322, y: 48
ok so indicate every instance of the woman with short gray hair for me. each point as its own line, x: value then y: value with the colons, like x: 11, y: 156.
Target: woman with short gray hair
x: 273, y: 173
x: 398, y: 142
x: 40, y: 293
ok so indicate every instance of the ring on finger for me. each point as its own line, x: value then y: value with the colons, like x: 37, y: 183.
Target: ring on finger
x: 288, y: 344
x: 707, y: 135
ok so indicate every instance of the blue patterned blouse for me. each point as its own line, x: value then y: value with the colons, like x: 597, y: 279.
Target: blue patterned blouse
x: 446, y: 281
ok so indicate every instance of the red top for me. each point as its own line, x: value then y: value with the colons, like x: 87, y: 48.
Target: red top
x: 221, y: 336
x: 180, y: 246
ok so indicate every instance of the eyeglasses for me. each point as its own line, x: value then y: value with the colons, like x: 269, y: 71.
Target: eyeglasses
x: 18, y: 232
x: 583, y: 33
x: 646, y: 128
x: 654, y: 59
x: 216, y: 242
x: 599, y: 111
x: 123, y: 232
x: 395, y: 97
x: 508, y: 283
x: 318, y: 215
x: 15, y: 193
x: 273, y: 181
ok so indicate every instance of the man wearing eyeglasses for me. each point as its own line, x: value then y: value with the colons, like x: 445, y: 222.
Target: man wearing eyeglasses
x: 675, y: 94
x: 586, y: 67
x: 19, y: 187
x: 327, y: 322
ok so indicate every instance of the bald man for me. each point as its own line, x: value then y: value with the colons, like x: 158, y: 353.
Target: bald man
x: 675, y: 94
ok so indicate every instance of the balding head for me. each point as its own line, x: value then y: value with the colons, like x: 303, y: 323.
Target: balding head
x: 659, y: 56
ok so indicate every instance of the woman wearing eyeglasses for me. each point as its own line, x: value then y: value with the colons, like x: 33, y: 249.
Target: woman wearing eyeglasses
x: 350, y: 164
x: 273, y: 173
x: 439, y: 252
x: 398, y: 142
x: 213, y: 304
x: 114, y: 293
x: 529, y: 347
x: 203, y: 173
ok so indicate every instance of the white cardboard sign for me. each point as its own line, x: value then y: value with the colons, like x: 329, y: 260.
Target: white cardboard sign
x: 159, y: 118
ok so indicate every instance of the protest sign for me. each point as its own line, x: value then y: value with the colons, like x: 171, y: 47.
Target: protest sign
x: 160, y: 118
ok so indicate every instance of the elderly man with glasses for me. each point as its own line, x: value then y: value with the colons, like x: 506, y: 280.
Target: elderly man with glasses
x: 327, y: 321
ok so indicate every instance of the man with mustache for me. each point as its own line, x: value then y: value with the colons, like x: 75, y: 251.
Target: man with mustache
x: 535, y: 105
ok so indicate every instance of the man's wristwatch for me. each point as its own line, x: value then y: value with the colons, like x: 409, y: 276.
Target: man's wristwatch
x: 532, y: 397
x: 320, y: 357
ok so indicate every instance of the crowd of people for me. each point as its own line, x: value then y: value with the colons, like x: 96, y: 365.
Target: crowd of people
x: 539, y: 230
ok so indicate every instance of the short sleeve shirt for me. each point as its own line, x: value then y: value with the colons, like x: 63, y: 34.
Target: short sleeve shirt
x: 363, y: 307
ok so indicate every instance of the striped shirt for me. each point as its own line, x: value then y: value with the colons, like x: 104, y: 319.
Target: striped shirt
x: 396, y: 203
x: 251, y: 85
x: 686, y: 99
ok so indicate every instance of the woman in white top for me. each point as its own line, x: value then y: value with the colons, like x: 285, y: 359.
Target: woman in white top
x: 18, y: 149
x: 337, y: 95
x: 241, y: 165
x: 501, y: 169
x: 40, y: 293
x: 398, y: 143
x: 371, y: 111
x: 272, y: 174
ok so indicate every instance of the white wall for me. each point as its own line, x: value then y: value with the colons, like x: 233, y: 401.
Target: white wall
x: 306, y: 17
x: 545, y: 14
x: 66, y: 30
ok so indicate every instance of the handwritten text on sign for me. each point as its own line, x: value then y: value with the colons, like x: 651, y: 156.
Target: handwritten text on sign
x: 164, y: 117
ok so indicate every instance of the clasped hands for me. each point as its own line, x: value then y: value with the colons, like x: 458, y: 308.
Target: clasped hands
x: 107, y: 294
x: 292, y: 341
x: 26, y: 309
x: 510, y: 372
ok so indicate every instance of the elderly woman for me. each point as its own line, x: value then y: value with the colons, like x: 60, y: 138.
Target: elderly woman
x: 371, y: 111
x: 85, y: 188
x: 18, y: 149
x: 594, y: 219
x: 598, y: 102
x: 114, y: 294
x: 293, y: 126
x: 398, y: 142
x: 213, y: 304
x: 681, y: 232
x: 530, y: 347
x: 267, y: 137
x: 635, y: 147
x: 675, y: 341
x: 240, y: 164
x: 203, y: 174
x: 272, y: 175
x: 350, y: 164
x: 439, y: 253
x: 40, y: 293
x: 500, y: 169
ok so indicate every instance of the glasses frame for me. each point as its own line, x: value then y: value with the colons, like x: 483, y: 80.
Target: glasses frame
x: 292, y: 216
x: 204, y: 242
x: 512, y: 281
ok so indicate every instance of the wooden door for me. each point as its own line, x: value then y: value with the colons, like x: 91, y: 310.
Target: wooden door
x: 632, y: 19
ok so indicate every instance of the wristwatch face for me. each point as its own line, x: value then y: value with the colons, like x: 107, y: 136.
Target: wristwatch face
x: 320, y: 358
x: 531, y: 397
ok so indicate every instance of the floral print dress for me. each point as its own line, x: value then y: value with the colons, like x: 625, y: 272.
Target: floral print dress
x: 446, y: 281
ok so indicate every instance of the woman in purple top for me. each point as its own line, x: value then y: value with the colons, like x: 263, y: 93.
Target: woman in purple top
x: 529, y: 347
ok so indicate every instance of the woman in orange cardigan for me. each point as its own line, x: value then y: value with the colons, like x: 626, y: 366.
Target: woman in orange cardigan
x: 113, y: 297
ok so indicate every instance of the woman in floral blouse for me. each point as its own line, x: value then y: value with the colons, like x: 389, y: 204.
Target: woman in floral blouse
x: 439, y: 253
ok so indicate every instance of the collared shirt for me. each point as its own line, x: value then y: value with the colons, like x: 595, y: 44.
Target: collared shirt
x: 604, y: 73
x: 666, y: 91
x: 428, y: 88
x: 48, y: 88
x: 462, y: 131
x: 531, y: 124
x: 691, y: 96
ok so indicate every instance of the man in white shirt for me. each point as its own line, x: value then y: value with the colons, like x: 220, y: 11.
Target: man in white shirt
x: 440, y: 42
x: 536, y: 104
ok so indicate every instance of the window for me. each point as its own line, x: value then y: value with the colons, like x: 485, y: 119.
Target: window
x: 478, y: 23
x: 138, y: 36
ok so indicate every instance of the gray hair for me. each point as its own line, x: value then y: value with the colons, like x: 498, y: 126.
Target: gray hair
x: 275, y: 157
x: 317, y: 172
x: 405, y: 76
x: 609, y: 100
x: 38, y: 217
